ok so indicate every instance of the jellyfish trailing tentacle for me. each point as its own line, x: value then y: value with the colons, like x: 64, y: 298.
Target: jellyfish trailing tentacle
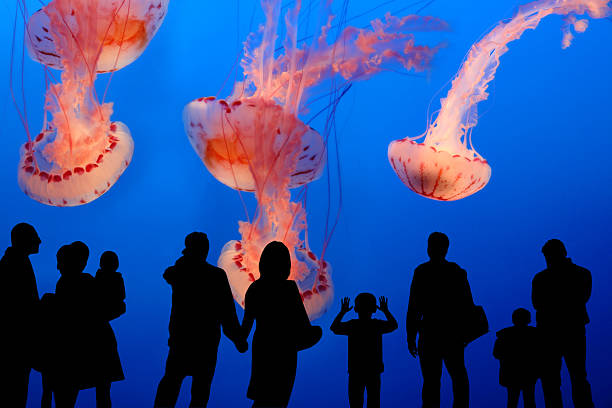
x: 254, y: 140
x: 80, y: 153
x: 445, y: 166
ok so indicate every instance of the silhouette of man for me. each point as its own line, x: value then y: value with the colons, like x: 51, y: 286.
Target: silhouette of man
x: 518, y: 349
x: 559, y: 294
x: 440, y: 301
x: 202, y: 302
x: 19, y: 305
x: 365, y: 363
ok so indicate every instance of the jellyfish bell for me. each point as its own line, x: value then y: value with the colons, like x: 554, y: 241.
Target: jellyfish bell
x: 229, y: 136
x: 313, y: 276
x: 51, y: 174
x: 437, y: 174
x: 122, y: 29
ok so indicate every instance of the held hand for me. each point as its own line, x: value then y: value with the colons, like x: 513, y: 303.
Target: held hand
x: 384, y: 304
x: 242, y: 346
x: 344, y: 305
x: 412, y: 348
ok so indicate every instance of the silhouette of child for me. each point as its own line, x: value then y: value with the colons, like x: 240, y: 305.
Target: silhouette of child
x: 365, y: 363
x: 518, y: 350
x: 111, y: 290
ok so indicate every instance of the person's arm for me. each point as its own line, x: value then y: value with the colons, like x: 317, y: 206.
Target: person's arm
x: 338, y: 326
x: 468, y: 299
x: 588, y: 285
x: 390, y: 324
x: 414, y: 314
x: 536, y: 297
x: 170, y: 275
x: 249, y: 311
x: 498, y: 349
x: 229, y: 319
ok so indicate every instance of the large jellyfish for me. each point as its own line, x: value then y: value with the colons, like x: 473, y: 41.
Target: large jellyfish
x: 445, y: 166
x: 254, y: 140
x: 80, y: 153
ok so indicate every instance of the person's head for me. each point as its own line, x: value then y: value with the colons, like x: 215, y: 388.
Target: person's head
x: 275, y: 261
x: 25, y: 238
x: 80, y: 254
x: 64, y: 258
x: 365, y: 305
x: 554, y: 252
x: 521, y: 317
x: 197, y: 243
x: 109, y: 261
x: 437, y: 246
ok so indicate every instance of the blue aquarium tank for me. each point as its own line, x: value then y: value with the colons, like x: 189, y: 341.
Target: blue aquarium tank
x: 542, y: 141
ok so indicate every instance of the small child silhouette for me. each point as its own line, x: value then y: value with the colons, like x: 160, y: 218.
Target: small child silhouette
x: 518, y: 350
x: 111, y: 290
x: 365, y: 363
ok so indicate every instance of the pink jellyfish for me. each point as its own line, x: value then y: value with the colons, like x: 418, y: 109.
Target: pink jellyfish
x: 445, y: 166
x: 80, y: 153
x: 255, y: 141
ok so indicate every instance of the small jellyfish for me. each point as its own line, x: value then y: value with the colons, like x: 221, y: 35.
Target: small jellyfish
x: 80, y: 153
x: 445, y: 166
x: 255, y: 141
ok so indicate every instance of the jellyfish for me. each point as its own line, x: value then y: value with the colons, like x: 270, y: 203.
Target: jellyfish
x: 80, y: 153
x: 445, y: 165
x: 255, y: 141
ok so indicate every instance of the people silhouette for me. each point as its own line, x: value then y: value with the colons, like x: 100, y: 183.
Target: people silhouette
x: 365, y: 362
x: 111, y: 291
x: 439, y: 306
x: 283, y: 328
x: 19, y: 304
x: 75, y: 363
x: 202, y: 303
x: 559, y: 294
x: 518, y: 349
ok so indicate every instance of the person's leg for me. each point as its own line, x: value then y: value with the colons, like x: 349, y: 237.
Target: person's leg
x: 103, y: 395
x: 513, y: 397
x: 66, y: 397
x: 529, y: 396
x: 14, y: 386
x: 356, y: 388
x: 201, y: 382
x: 46, y: 398
x: 430, y: 358
x: 551, y: 373
x: 373, y: 390
x: 170, y: 384
x: 455, y: 364
x: 575, y: 360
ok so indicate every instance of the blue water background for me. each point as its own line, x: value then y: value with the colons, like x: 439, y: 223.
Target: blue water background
x: 546, y: 131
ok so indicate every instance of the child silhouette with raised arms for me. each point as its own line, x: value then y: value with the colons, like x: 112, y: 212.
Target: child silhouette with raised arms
x: 518, y: 350
x: 365, y: 363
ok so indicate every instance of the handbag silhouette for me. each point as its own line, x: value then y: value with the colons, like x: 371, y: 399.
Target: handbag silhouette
x: 476, y: 324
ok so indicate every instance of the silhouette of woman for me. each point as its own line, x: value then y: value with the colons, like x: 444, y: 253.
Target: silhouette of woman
x: 282, y: 328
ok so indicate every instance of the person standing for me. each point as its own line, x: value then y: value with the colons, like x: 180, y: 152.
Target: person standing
x: 438, y: 309
x: 202, y: 304
x: 19, y: 307
x: 559, y: 295
x: 273, y: 302
x: 518, y: 349
x: 365, y: 358
x: 111, y: 291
